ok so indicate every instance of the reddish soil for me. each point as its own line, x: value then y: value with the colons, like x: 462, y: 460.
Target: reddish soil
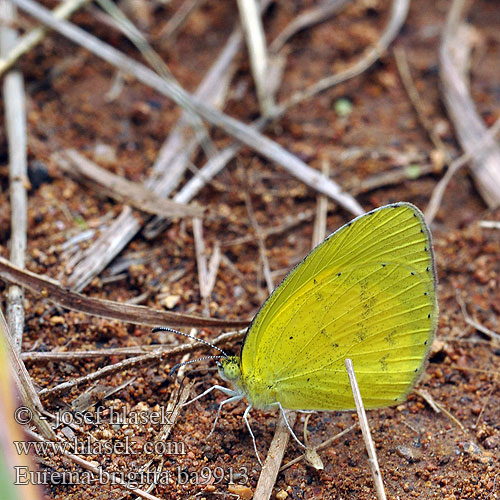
x: 422, y: 454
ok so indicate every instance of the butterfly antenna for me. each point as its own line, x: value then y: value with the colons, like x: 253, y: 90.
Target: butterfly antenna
x: 178, y: 365
x: 192, y: 337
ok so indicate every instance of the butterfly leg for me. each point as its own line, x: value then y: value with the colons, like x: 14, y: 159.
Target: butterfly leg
x: 236, y: 397
x: 225, y: 390
x: 245, y: 418
x: 288, y: 425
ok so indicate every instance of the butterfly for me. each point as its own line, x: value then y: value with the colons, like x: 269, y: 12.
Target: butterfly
x: 368, y: 293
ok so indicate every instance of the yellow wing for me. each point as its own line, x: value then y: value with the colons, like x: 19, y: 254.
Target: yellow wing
x: 367, y: 293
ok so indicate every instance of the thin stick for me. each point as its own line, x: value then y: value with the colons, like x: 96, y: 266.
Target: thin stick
x: 391, y: 177
x: 275, y: 454
x: 127, y: 364
x: 24, y: 384
x: 415, y: 99
x: 260, y: 242
x: 201, y: 261
x: 122, y: 23
x: 166, y: 173
x: 475, y: 324
x: 216, y: 164
x: 15, y: 115
x: 319, y: 230
x: 139, y: 315
x: 244, y: 133
x: 323, y: 445
x: 64, y: 356
x: 489, y: 224
x: 454, y: 54
x: 439, y: 189
x: 438, y: 408
x: 123, y: 190
x: 486, y: 400
x: 365, y: 429
x: 174, y: 24
x: 98, y: 353
x: 256, y: 294
x: 399, y: 11
x: 213, y: 268
x: 256, y: 45
x: 306, y: 19
x: 36, y: 35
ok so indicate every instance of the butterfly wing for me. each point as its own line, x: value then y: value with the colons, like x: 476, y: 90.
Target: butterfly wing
x: 366, y: 293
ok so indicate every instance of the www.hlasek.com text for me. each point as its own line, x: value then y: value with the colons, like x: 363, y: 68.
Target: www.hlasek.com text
x: 90, y: 446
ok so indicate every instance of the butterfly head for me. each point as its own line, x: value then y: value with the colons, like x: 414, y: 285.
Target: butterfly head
x: 229, y: 369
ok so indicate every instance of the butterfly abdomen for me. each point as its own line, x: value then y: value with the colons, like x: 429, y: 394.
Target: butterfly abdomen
x: 259, y: 392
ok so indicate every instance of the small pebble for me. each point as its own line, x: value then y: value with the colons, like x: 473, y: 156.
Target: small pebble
x: 408, y: 454
x: 244, y: 492
x: 171, y: 301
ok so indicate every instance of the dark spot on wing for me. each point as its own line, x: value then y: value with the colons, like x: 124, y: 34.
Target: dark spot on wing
x: 383, y: 363
x: 390, y: 337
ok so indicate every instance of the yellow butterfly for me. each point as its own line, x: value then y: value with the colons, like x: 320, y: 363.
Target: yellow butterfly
x: 368, y: 293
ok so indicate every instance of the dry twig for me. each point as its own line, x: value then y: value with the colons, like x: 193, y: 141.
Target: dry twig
x: 438, y: 408
x: 455, y: 166
x: 216, y: 164
x: 240, y: 131
x: 167, y: 172
x: 127, y: 364
x: 118, y: 188
x: 470, y: 128
x: 174, y: 24
x: 201, y: 261
x: 399, y: 12
x: 475, y: 324
x: 15, y: 115
x: 271, y: 466
x: 260, y: 243
x: 319, y: 230
x: 256, y: 45
x: 29, y: 40
x: 140, y: 315
x: 308, y: 18
x: 321, y: 446
x: 24, y: 383
x: 413, y: 94
x: 365, y: 429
